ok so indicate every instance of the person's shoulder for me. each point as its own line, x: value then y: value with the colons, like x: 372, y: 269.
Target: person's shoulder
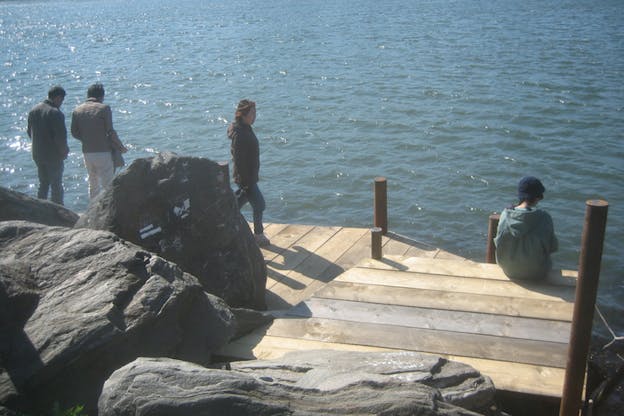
x: 506, y: 211
x: 542, y: 211
x: 544, y: 214
x: 80, y: 107
x: 236, y: 130
x: 41, y: 105
x: 35, y: 108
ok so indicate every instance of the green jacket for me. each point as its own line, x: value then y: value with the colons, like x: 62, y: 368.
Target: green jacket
x: 524, y: 241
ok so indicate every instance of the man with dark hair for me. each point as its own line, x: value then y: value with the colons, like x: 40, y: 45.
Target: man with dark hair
x: 46, y: 128
x: 526, y: 235
x: 92, y: 124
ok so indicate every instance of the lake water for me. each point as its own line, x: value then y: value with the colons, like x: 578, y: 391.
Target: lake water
x: 451, y: 101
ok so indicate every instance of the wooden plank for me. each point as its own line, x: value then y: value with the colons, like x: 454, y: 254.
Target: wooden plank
x: 470, y: 302
x: 394, y: 247
x: 331, y: 251
x: 456, y: 284
x: 358, y: 250
x: 310, y: 239
x: 517, y: 377
x: 287, y: 285
x: 284, y: 239
x: 420, y: 252
x: 289, y: 258
x: 415, y: 339
x: 445, y: 255
x: 270, y: 347
x: 435, y: 319
x: 271, y: 228
x: 309, y: 273
x: 451, y: 267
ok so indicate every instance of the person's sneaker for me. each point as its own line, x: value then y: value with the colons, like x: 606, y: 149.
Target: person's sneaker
x: 262, y: 240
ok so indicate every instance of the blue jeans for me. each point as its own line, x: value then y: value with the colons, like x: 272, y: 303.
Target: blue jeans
x: 51, y: 177
x: 252, y: 195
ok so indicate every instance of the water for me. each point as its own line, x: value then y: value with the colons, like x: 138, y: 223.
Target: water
x: 452, y: 101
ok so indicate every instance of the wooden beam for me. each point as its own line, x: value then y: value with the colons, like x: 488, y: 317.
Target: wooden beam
x: 463, y: 268
x: 307, y: 277
x: 434, y: 319
x: 470, y: 302
x: 456, y: 284
x: 425, y: 340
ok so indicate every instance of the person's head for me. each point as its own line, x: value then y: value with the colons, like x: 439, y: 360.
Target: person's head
x: 246, y: 112
x: 56, y: 94
x: 530, y: 190
x: 96, y: 91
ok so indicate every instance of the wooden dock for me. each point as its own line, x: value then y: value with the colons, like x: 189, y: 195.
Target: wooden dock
x: 327, y: 293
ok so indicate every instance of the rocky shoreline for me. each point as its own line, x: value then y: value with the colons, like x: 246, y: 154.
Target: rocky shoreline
x: 121, y: 310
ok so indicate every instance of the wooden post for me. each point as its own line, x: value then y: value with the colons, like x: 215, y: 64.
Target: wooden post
x: 376, y: 243
x: 380, y: 218
x: 490, y: 252
x: 584, y: 303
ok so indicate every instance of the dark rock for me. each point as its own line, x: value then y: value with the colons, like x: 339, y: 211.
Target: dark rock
x: 248, y: 320
x: 183, y: 209
x: 18, y: 295
x: 7, y: 412
x: 605, y: 383
x: 17, y: 206
x: 87, y: 304
x: 310, y: 383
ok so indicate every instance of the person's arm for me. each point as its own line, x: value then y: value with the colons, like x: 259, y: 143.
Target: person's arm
x: 29, y: 127
x: 554, y: 243
x: 75, y: 127
x: 241, y: 159
x: 110, y: 131
x: 116, y: 141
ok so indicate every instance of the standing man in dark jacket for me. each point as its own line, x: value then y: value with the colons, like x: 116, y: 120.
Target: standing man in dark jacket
x: 246, y: 156
x: 46, y: 128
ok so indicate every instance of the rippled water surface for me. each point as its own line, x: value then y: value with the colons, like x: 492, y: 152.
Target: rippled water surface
x: 452, y: 101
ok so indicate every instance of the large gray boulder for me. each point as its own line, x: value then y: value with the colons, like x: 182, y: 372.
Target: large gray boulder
x: 183, y: 209
x: 77, y: 304
x: 303, y: 383
x: 18, y: 206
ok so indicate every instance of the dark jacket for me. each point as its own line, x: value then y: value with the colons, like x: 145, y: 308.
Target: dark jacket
x: 46, y: 128
x: 524, y: 241
x: 245, y: 154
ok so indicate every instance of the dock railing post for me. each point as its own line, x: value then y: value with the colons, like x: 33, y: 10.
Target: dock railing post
x: 490, y: 252
x: 376, y: 243
x: 380, y: 217
x: 584, y: 303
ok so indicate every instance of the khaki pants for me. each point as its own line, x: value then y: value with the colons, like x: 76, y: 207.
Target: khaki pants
x: 101, y: 171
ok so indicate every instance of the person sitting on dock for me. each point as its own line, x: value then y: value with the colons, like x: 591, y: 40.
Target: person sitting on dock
x: 526, y: 236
